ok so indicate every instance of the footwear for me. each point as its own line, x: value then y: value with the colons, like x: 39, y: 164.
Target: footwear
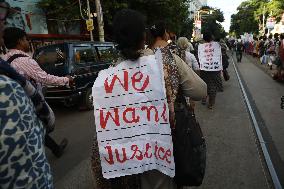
x: 59, y: 152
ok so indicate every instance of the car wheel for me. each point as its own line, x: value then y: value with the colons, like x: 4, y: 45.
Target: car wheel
x: 88, y: 99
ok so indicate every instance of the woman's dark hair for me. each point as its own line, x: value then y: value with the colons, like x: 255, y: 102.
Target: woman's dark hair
x: 129, y: 32
x: 282, y: 36
x: 12, y: 35
x: 207, y: 36
x: 158, y: 29
x: 264, y: 37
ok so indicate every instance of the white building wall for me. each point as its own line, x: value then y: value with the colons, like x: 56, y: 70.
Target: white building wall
x: 195, y: 5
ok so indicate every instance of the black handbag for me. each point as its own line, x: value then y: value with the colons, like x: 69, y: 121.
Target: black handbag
x: 189, y: 146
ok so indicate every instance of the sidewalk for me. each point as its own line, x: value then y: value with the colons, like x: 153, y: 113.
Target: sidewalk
x: 263, y: 67
x: 266, y: 95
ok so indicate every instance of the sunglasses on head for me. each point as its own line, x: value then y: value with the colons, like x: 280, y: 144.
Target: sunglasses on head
x: 4, y: 10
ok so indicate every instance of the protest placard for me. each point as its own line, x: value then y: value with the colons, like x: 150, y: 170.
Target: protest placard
x: 210, y: 56
x: 132, y: 119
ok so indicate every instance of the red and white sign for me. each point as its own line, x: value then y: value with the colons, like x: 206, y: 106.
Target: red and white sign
x: 132, y: 119
x: 198, y: 24
x: 210, y: 56
x: 270, y: 23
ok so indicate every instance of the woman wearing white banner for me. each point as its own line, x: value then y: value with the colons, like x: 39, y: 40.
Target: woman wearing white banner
x: 210, y: 59
x: 129, y: 31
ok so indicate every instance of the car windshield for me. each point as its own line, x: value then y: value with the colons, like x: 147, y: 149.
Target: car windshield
x: 85, y: 55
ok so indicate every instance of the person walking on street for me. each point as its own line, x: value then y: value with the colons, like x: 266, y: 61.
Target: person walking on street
x: 186, y: 55
x: 23, y: 163
x: 129, y: 30
x: 225, y: 60
x: 211, y: 77
x: 239, y: 50
x: 279, y: 75
x: 15, y: 40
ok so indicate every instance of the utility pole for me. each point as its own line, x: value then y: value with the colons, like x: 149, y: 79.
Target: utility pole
x: 100, y: 21
x: 263, y: 20
x: 89, y: 15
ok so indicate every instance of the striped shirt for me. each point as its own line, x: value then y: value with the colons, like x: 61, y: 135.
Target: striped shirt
x: 30, y: 69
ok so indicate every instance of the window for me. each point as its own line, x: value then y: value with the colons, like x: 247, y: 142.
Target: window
x: 85, y: 55
x: 107, y: 53
x: 54, y: 55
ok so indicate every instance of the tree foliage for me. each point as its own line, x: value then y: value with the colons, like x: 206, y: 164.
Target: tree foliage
x: 249, y: 17
x: 276, y: 8
x: 211, y: 21
x: 174, y: 12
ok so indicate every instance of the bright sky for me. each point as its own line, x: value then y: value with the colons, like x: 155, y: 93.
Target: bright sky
x: 228, y: 7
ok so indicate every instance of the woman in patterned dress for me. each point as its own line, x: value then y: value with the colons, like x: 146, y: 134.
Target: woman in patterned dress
x: 212, y: 78
x: 129, y: 31
x: 177, y: 74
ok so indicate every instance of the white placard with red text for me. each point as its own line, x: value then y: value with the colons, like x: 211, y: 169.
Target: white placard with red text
x: 210, y: 56
x: 132, y: 119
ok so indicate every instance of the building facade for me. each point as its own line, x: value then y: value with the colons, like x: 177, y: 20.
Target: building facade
x: 195, y: 5
x: 41, y: 30
x: 25, y: 15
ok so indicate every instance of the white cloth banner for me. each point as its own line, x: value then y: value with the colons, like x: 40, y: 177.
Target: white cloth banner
x: 132, y: 120
x: 210, y: 56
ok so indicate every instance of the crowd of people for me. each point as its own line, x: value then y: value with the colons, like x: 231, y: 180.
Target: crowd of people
x: 26, y: 118
x: 269, y: 49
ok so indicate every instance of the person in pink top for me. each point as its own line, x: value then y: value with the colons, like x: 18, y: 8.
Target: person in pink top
x: 16, y: 42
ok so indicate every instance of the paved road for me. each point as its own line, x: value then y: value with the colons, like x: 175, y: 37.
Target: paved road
x: 265, y: 95
x: 233, y: 161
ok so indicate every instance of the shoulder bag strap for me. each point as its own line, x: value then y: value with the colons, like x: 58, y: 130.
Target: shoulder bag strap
x: 14, y: 57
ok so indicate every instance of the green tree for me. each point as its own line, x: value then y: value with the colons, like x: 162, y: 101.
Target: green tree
x: 174, y: 12
x: 276, y: 8
x: 252, y: 11
x: 211, y: 19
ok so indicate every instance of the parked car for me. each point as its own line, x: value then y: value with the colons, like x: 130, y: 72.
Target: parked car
x: 81, y: 60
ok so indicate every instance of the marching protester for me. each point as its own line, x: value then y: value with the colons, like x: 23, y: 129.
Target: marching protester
x: 225, y: 60
x: 239, y: 50
x: 210, y: 67
x: 270, y: 51
x: 23, y: 114
x: 279, y: 75
x: 129, y: 30
x: 186, y: 55
x: 15, y: 40
x: 262, y: 46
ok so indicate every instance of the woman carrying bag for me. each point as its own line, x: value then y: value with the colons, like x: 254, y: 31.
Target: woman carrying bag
x: 129, y: 30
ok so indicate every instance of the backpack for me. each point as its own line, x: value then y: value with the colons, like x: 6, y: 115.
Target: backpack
x: 35, y: 84
x: 189, y: 146
x: 44, y: 111
x: 239, y: 46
